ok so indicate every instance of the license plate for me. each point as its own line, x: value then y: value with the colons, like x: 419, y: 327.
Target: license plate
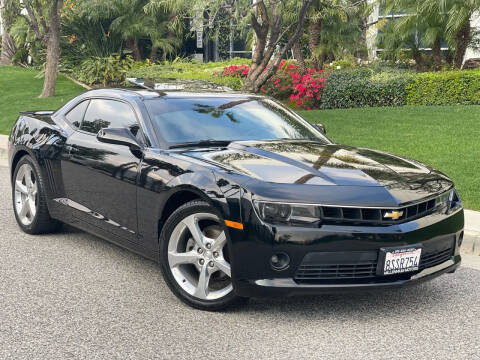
x: 400, y: 260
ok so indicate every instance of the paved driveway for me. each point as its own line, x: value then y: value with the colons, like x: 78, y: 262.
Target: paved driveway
x: 72, y: 295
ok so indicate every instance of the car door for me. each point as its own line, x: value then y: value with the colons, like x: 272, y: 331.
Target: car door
x: 100, y: 178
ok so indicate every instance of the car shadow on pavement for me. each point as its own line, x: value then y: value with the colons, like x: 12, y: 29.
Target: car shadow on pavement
x: 415, y: 299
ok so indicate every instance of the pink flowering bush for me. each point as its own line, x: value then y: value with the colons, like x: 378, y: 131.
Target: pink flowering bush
x: 301, y: 91
x: 239, y: 71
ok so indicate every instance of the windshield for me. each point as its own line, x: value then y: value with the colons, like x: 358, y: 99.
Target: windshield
x: 180, y: 120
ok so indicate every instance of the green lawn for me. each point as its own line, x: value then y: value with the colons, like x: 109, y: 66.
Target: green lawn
x: 446, y: 138
x: 19, y: 90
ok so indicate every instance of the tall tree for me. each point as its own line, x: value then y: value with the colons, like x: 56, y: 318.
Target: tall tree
x: 277, y: 24
x: 271, y: 20
x: 47, y: 30
x: 8, y: 10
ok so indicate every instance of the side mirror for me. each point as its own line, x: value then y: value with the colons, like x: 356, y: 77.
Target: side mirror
x: 321, y: 128
x: 119, y: 136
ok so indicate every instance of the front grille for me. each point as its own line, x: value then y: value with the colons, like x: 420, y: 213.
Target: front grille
x: 336, y: 271
x: 369, y: 216
x: 358, y: 267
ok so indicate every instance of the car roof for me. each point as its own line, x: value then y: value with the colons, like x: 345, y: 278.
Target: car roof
x: 146, y: 94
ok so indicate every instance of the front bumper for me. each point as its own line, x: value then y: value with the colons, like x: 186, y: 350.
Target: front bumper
x: 252, y: 249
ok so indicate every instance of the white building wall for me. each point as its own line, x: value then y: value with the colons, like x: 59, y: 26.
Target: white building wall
x: 472, y: 53
x: 1, y: 27
x: 372, y: 31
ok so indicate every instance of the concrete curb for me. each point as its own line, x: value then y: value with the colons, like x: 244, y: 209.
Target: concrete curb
x: 471, y: 242
x: 471, y: 245
x: 3, y: 150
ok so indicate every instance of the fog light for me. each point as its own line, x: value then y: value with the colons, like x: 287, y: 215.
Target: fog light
x: 460, y: 239
x: 280, y: 261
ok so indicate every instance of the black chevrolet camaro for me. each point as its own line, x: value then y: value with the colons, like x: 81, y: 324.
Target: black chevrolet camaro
x: 234, y: 195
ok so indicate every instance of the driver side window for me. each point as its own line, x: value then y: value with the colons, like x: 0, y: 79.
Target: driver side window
x: 102, y: 114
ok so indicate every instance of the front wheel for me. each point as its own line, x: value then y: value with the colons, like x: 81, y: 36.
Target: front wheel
x: 195, y: 258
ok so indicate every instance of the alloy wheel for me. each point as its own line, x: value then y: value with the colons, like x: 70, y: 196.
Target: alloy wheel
x: 26, y: 191
x: 197, y: 257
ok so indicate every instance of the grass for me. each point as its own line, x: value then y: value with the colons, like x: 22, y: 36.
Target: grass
x: 19, y: 90
x: 444, y: 137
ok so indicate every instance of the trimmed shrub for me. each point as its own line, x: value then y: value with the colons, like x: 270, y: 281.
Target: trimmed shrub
x: 363, y: 88
x: 103, y: 71
x: 460, y: 87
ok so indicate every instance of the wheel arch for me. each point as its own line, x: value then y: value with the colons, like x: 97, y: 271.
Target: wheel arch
x: 180, y: 196
x: 20, y: 153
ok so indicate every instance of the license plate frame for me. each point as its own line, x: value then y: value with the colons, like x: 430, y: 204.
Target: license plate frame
x: 411, y: 255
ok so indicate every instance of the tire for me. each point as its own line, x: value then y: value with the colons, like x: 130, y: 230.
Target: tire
x: 196, y: 268
x: 30, y: 188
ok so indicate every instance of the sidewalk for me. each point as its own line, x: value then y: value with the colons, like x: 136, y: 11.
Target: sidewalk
x: 3, y: 150
x: 471, y: 242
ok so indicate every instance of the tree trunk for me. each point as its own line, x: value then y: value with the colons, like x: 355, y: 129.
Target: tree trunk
x: 449, y: 57
x: 170, y: 33
x: 53, y: 51
x: 462, y: 41
x: 315, y: 27
x: 260, y: 44
x: 437, y: 54
x: 321, y: 61
x: 8, y: 46
x: 132, y: 44
x: 297, y: 53
x: 419, y: 61
x: 153, y: 54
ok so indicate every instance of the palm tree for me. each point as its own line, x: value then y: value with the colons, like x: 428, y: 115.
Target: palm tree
x: 398, y: 39
x: 446, y: 19
x: 458, y: 29
x: 419, y: 28
x: 133, y: 23
x: 335, y: 29
x: 9, y: 9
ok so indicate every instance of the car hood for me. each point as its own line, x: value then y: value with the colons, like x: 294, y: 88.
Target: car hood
x: 312, y: 163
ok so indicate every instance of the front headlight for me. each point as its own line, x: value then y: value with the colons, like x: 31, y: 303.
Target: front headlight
x: 454, y: 201
x: 279, y: 213
x: 449, y: 199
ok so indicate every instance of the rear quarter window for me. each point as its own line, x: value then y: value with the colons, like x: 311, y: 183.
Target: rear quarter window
x: 75, y: 116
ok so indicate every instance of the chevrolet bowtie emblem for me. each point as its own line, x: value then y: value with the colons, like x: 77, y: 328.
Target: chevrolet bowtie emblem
x: 394, y: 215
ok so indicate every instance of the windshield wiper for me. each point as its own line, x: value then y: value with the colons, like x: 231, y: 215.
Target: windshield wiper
x: 208, y: 142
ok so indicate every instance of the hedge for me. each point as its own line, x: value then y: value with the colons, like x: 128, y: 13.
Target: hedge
x: 461, y: 87
x: 348, y: 89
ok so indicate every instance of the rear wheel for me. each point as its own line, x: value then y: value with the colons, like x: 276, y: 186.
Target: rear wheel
x: 29, y: 199
x: 195, y: 257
